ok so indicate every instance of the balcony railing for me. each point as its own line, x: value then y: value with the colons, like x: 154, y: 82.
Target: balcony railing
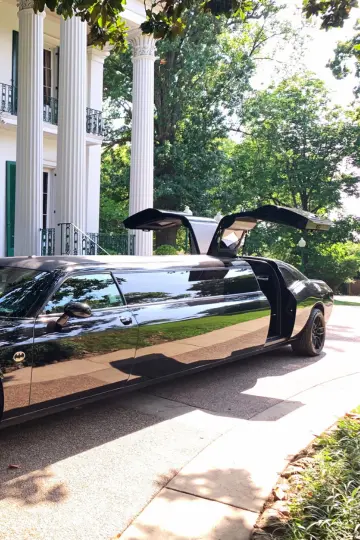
x: 50, y: 109
x: 8, y: 104
x: 94, y: 122
x: 8, y: 98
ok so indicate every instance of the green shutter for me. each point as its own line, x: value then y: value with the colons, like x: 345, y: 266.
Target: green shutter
x: 10, y: 207
x: 14, y: 69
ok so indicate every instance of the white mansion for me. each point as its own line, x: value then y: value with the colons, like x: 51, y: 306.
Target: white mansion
x: 51, y: 86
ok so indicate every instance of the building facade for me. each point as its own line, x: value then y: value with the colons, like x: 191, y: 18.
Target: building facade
x: 51, y: 127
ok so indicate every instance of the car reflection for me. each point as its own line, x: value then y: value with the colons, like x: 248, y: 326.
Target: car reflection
x: 16, y: 341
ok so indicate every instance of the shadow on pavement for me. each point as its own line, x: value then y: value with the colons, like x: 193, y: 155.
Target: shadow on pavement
x: 220, y: 391
x: 176, y: 514
x: 33, y: 489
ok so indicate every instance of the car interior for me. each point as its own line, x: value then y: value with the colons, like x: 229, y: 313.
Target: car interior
x: 270, y: 285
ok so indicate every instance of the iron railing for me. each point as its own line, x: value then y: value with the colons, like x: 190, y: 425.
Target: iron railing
x: 50, y: 109
x: 47, y: 242
x: 122, y: 243
x: 73, y: 241
x: 8, y: 101
x: 94, y: 122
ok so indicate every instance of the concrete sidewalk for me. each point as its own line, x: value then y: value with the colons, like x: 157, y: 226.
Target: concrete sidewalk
x: 193, y: 458
x: 219, y: 493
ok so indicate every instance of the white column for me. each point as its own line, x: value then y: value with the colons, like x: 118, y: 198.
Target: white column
x: 95, y: 73
x: 29, y: 147
x: 70, y: 198
x: 93, y: 167
x: 95, y: 76
x: 142, y: 136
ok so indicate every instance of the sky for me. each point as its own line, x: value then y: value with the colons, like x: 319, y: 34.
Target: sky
x: 319, y: 47
x: 318, y: 51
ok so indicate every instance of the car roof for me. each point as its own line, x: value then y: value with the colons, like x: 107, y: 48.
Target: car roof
x: 127, y: 262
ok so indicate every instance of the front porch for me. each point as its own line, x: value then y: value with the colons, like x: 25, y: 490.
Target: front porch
x: 51, y: 129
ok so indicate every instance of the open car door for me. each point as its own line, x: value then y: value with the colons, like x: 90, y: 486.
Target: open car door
x: 201, y: 229
x: 224, y: 239
x: 232, y: 230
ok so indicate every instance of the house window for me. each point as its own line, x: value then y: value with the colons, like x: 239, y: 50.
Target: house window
x: 45, y: 199
x: 47, y: 75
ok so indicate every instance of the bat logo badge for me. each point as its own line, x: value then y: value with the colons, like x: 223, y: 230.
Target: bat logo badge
x: 19, y: 357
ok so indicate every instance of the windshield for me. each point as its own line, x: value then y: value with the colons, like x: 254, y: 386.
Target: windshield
x: 19, y: 289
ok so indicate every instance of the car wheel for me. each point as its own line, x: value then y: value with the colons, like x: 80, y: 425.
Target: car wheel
x: 312, y: 339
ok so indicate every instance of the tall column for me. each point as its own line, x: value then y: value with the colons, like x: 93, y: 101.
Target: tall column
x: 70, y: 198
x: 29, y: 146
x: 95, y: 72
x: 142, y: 136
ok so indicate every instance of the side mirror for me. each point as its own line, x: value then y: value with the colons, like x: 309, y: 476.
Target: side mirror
x: 78, y: 310
x: 72, y: 309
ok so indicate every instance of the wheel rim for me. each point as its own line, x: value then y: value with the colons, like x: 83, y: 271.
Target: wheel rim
x: 318, y: 334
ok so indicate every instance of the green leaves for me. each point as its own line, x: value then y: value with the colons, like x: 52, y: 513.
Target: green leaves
x: 199, y: 80
x: 333, y: 13
x: 167, y: 19
x: 163, y: 19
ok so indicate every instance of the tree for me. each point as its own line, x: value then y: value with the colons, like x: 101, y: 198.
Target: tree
x: 167, y: 18
x: 114, y: 196
x: 345, y: 52
x: 297, y: 150
x: 336, y: 263
x: 301, y: 150
x: 200, y: 83
x: 333, y: 13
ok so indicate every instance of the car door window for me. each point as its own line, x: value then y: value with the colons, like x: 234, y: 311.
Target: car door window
x: 161, y: 286
x: 97, y: 290
x: 290, y: 275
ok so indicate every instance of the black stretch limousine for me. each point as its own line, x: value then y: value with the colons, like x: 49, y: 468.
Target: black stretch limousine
x: 75, y: 327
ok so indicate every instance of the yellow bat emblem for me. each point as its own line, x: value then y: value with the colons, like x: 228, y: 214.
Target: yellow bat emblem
x: 19, y: 357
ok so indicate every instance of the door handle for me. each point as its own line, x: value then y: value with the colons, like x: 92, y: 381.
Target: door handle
x: 126, y: 320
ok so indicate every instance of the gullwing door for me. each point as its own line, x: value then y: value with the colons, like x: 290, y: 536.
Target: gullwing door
x: 232, y: 230
x: 201, y: 229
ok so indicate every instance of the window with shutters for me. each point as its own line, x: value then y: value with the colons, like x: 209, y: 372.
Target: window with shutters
x: 47, y: 74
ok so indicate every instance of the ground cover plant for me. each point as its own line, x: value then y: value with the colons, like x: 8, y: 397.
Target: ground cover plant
x: 323, y: 498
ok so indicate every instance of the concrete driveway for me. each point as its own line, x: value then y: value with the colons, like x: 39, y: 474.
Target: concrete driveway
x: 87, y: 473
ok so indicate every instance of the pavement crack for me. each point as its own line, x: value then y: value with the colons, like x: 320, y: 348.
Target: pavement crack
x: 213, y: 500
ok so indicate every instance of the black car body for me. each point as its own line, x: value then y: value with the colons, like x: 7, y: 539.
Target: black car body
x: 72, y: 328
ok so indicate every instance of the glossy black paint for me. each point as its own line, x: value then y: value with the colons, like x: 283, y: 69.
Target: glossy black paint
x: 16, y: 358
x: 189, y: 319
x: 292, y: 217
x: 148, y: 319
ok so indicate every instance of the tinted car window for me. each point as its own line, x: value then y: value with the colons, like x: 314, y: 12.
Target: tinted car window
x: 290, y: 274
x: 96, y: 290
x: 147, y: 287
x: 19, y: 290
x: 240, y: 280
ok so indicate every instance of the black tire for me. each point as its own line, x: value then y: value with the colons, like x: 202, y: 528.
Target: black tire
x: 312, y: 339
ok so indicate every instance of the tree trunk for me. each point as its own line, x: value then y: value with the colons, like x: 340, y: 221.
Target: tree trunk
x: 166, y: 236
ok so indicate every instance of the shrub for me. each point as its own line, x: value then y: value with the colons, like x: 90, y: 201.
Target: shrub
x: 165, y: 249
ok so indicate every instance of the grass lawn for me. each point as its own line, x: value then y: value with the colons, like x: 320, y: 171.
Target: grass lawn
x: 343, y: 303
x: 325, y: 504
